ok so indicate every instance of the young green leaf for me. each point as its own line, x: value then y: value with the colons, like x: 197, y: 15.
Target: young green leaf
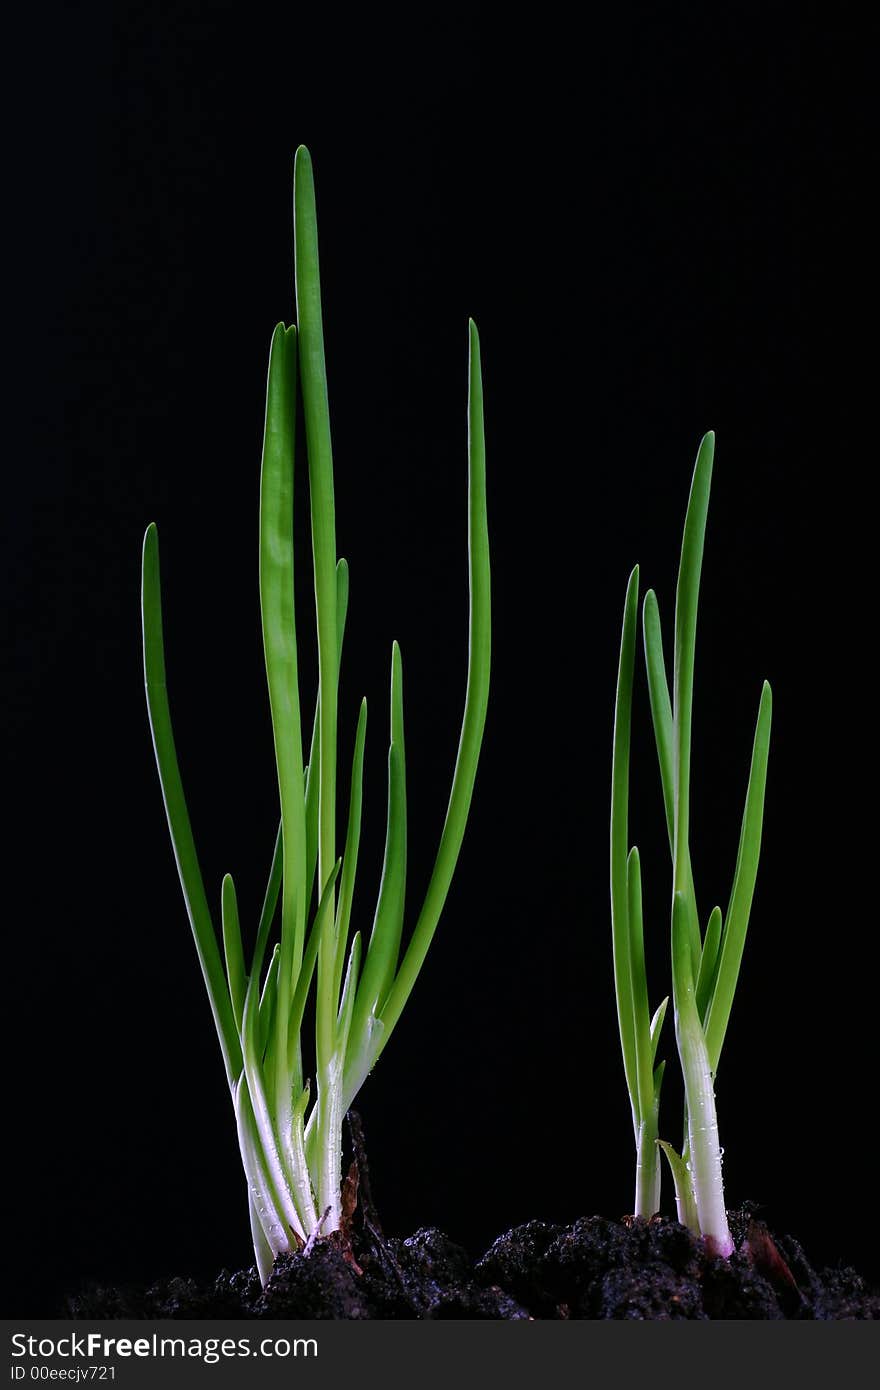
x: 686, y: 601
x: 235, y: 972
x: 475, y: 705
x: 175, y: 809
x: 686, y: 1208
x: 664, y: 735
x: 639, y: 985
x: 316, y: 411
x: 657, y: 1028
x: 382, y: 951
x: 745, y: 875
x: 620, y: 933
x: 708, y: 961
x: 352, y: 845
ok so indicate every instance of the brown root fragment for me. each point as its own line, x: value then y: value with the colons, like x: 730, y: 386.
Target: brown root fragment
x: 761, y: 1249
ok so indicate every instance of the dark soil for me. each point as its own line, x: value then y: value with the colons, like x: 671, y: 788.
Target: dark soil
x: 594, y: 1268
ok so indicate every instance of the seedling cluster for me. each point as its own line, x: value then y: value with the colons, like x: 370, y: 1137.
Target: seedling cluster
x: 290, y: 1100
x: 705, y: 963
x: 289, y: 1132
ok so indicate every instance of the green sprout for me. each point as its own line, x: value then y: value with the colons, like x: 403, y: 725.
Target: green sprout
x: 705, y: 965
x: 290, y: 1141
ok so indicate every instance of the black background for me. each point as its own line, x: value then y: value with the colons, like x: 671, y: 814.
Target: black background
x: 657, y: 222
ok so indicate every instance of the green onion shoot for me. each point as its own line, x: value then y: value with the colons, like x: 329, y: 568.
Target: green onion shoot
x: 289, y: 1123
x: 705, y: 959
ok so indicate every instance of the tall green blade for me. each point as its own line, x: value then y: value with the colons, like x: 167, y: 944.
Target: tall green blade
x: 312, y: 778
x: 382, y: 952
x: 661, y: 706
x: 744, y: 878
x: 709, y: 961
x: 316, y: 411
x: 175, y: 808
x: 620, y: 933
x: 310, y: 956
x: 664, y: 736
x: 279, y: 647
x: 270, y: 902
x: 686, y: 602
x: 648, y: 1174
x: 314, y: 768
x: 476, y: 700
x: 232, y: 948
x: 639, y: 985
